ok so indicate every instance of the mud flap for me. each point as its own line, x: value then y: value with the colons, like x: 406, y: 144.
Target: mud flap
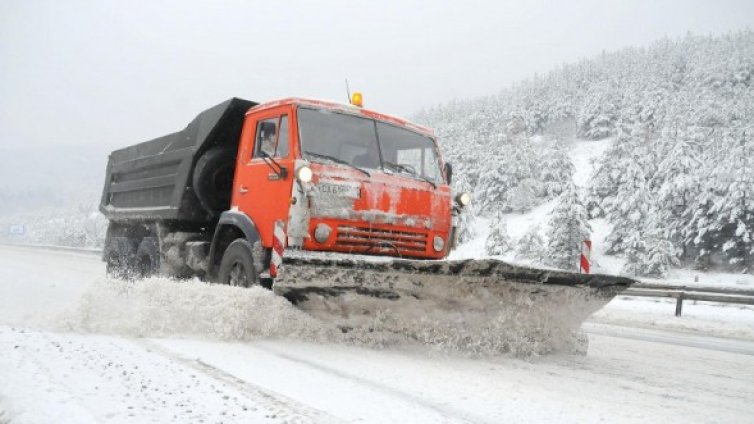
x: 494, y: 304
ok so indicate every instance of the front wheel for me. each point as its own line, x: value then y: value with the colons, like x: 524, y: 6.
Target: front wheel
x: 237, y: 265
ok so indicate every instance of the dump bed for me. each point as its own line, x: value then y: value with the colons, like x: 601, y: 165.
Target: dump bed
x: 152, y: 180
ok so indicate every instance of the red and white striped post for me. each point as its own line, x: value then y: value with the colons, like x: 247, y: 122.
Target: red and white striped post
x: 278, y: 245
x: 586, y: 256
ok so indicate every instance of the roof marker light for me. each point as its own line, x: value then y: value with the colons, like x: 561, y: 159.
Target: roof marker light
x: 357, y: 99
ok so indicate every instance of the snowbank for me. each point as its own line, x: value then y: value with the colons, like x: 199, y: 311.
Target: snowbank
x: 159, y: 307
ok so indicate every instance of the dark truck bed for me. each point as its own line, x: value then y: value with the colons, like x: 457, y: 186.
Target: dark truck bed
x: 153, y: 180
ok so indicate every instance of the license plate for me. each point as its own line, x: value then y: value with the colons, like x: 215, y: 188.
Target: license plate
x: 339, y: 190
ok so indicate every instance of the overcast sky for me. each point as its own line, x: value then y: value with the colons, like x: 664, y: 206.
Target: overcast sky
x: 117, y: 72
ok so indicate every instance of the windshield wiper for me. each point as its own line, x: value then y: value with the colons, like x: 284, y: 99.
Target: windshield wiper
x: 400, y: 168
x: 409, y: 170
x: 336, y: 160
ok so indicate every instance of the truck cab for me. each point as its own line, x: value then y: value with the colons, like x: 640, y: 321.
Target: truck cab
x: 337, y: 177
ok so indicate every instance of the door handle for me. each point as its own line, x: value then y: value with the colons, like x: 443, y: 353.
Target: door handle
x: 243, y: 190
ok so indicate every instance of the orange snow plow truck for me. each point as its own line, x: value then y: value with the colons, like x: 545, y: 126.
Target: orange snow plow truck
x: 334, y: 206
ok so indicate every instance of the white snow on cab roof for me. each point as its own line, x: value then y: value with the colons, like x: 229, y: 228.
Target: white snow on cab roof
x: 348, y: 108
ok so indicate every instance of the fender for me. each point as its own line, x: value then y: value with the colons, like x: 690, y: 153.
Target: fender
x: 233, y: 219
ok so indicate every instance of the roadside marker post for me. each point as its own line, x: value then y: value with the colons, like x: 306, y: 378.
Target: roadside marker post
x: 586, y: 256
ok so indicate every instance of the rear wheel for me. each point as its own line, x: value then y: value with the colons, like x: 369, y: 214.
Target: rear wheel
x: 237, y: 265
x: 121, y: 258
x: 147, y: 258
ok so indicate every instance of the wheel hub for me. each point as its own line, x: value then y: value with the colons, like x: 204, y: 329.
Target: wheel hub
x: 237, y: 275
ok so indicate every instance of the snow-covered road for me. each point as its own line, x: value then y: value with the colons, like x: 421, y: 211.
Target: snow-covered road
x: 53, y: 371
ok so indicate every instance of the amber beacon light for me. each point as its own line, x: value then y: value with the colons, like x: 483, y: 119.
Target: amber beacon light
x: 357, y: 99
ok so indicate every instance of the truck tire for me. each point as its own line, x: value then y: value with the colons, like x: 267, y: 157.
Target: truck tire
x: 120, y: 258
x: 213, y: 178
x: 147, y: 258
x: 237, y: 265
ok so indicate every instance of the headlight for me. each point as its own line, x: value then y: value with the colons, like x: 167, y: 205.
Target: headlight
x: 322, y: 233
x: 304, y: 174
x: 464, y: 198
x: 438, y: 244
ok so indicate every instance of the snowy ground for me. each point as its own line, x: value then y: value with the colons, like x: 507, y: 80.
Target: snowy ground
x: 63, y: 358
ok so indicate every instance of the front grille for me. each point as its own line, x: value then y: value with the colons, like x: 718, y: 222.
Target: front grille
x: 380, y: 241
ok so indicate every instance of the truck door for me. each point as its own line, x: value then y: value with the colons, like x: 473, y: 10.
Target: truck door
x: 264, y: 174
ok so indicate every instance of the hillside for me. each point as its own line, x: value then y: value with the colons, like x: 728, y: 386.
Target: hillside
x: 675, y: 111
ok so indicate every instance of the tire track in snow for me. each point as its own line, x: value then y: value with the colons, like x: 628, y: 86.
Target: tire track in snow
x: 275, y: 400
x: 455, y: 414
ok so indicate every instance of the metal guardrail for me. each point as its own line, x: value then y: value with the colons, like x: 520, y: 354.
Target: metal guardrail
x: 681, y: 293
x: 703, y: 289
x: 86, y: 250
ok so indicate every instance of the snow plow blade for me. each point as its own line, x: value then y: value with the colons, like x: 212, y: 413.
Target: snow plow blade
x: 487, y: 303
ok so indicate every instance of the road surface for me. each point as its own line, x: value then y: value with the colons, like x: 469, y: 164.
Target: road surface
x: 70, y: 353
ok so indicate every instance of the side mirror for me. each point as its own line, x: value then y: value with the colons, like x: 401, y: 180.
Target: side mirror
x: 449, y: 172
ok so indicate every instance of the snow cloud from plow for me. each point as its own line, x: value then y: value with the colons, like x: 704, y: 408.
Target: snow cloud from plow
x: 160, y: 307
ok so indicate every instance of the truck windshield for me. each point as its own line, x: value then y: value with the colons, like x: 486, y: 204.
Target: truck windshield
x: 364, y: 143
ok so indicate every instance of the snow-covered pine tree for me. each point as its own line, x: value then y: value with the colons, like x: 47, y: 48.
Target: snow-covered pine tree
x: 659, y: 256
x: 675, y: 181
x: 494, y: 182
x: 498, y: 242
x: 555, y: 170
x: 649, y: 250
x: 720, y: 220
x: 523, y: 196
x: 734, y: 212
x: 510, y: 166
x: 568, y: 227
x: 630, y: 210
x: 635, y: 252
x: 701, y: 230
x: 598, y: 115
x: 531, y: 246
x: 610, y: 171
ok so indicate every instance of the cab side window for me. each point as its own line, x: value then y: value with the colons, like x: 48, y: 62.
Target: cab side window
x: 266, y: 137
x: 272, y: 137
